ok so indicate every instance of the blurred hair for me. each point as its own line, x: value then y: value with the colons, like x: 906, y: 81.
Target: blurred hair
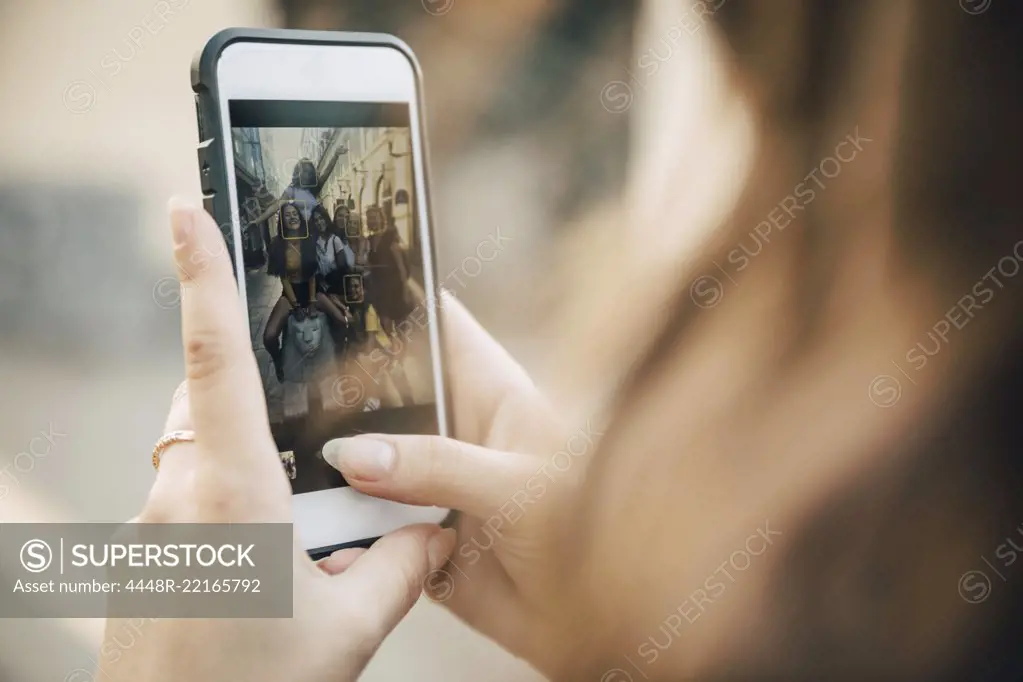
x: 940, y: 207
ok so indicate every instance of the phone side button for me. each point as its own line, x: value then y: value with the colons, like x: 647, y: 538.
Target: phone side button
x: 199, y: 118
x: 203, y: 151
x: 207, y: 202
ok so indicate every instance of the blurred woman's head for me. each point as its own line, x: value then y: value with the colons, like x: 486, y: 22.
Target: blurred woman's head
x: 811, y: 386
x: 817, y: 438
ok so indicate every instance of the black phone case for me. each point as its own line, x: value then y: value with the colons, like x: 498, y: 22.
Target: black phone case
x: 210, y: 150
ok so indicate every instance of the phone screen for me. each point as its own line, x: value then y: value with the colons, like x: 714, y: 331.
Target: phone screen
x: 334, y: 275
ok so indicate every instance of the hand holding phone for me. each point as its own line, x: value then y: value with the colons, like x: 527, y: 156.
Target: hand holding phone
x: 339, y: 620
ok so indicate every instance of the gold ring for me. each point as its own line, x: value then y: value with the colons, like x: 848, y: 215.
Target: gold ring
x: 167, y: 440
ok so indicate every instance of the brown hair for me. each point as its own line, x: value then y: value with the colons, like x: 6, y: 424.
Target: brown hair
x: 912, y: 493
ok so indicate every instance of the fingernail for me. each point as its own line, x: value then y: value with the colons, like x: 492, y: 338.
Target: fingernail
x: 439, y: 547
x: 182, y: 219
x: 367, y: 459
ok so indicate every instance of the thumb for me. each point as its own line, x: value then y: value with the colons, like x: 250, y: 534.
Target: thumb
x: 386, y: 581
x: 224, y: 388
x: 437, y: 471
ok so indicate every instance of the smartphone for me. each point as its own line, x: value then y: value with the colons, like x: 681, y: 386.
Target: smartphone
x: 312, y: 159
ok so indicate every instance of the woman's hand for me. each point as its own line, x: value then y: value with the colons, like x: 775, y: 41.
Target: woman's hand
x: 513, y: 470
x: 344, y: 607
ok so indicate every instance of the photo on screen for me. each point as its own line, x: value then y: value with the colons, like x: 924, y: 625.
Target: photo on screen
x: 334, y: 278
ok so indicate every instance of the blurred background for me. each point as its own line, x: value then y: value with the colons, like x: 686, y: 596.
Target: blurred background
x: 99, y: 131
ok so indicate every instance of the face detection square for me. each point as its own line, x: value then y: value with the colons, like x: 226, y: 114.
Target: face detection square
x: 354, y: 289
